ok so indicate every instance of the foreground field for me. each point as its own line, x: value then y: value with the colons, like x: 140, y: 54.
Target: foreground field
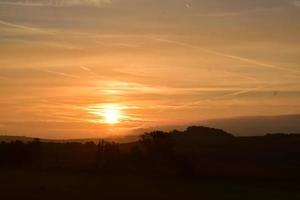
x: 90, y: 185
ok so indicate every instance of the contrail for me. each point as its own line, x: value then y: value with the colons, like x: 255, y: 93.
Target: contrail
x: 251, y: 61
x: 233, y: 14
x: 95, y: 75
x: 6, y: 3
x: 231, y: 94
x: 246, y: 60
x: 58, y: 45
x: 28, y: 28
x: 57, y: 3
x: 59, y: 73
x: 37, y: 30
x: 85, y: 68
x: 236, y: 93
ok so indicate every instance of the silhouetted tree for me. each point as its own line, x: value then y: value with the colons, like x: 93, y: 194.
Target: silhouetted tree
x: 36, y: 153
x: 100, y: 153
x: 158, y: 149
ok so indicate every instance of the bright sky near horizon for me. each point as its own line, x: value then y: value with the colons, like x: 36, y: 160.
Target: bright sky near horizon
x: 91, y: 68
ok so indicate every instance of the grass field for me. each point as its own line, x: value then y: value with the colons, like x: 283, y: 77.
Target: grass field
x: 83, y: 185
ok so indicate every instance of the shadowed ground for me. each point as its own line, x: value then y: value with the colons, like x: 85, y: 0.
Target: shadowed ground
x: 83, y: 185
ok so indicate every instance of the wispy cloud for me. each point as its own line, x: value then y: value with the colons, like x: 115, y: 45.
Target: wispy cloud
x: 27, y: 28
x: 233, y: 57
x: 56, y: 3
x: 59, y: 73
x: 85, y: 68
x: 129, y: 88
x: 239, y: 13
x: 296, y: 3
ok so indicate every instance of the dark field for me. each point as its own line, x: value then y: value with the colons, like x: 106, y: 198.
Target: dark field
x: 84, y: 185
x: 199, y: 163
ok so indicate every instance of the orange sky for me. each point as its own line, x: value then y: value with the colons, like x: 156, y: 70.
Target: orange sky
x: 66, y: 65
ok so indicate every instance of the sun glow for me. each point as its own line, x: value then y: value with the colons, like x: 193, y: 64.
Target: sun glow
x: 111, y: 115
x: 108, y: 113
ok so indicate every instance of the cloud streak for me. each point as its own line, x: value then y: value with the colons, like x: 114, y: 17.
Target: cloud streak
x: 56, y: 3
x: 233, y: 57
x: 59, y: 73
x: 239, y: 13
x: 23, y: 27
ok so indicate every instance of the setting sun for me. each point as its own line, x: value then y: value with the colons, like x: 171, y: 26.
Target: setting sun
x: 111, y: 115
x: 108, y: 113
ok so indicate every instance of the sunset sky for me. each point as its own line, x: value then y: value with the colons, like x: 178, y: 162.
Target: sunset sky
x: 93, y: 68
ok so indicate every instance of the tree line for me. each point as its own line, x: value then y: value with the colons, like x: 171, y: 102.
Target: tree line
x: 195, y: 151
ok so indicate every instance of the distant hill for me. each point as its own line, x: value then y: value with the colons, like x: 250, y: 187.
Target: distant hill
x: 257, y: 125
x: 124, y: 139
x: 206, y: 132
x: 7, y: 138
x: 239, y: 126
x: 200, y: 134
x: 191, y: 133
x: 244, y: 126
